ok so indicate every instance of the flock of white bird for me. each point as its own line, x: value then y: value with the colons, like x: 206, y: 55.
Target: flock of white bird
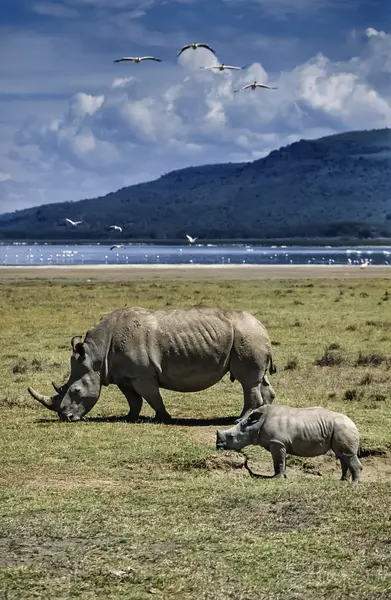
x: 221, y: 67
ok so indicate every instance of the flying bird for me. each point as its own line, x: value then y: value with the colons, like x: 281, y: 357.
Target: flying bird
x: 254, y: 85
x: 191, y: 239
x: 194, y: 46
x: 117, y: 246
x: 116, y: 228
x: 136, y: 59
x: 223, y: 67
x: 73, y: 223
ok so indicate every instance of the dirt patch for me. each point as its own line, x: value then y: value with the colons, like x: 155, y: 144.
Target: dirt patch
x: 19, y: 550
x: 71, y: 483
x: 222, y: 462
x: 376, y: 463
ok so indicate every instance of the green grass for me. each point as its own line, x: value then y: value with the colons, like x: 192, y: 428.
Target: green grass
x: 110, y: 510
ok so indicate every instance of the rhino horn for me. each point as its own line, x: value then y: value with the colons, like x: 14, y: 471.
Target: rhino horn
x: 44, y: 400
x: 58, y: 388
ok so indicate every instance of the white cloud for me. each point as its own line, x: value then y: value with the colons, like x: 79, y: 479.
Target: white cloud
x: 55, y: 10
x: 122, y: 82
x: 4, y: 176
x: 165, y: 117
x: 284, y: 8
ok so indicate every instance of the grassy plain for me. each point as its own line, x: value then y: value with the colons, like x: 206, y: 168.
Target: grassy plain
x: 110, y: 510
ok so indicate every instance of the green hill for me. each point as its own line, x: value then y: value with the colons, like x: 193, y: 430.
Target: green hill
x: 338, y: 185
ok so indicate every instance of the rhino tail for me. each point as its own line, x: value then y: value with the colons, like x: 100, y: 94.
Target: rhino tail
x: 272, y: 366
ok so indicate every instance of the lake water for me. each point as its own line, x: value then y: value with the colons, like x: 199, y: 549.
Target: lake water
x: 95, y: 254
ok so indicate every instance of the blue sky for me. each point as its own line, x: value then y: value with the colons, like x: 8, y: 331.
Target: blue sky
x: 73, y: 124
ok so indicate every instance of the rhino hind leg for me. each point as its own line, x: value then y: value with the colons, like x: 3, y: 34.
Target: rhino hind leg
x: 149, y: 390
x: 278, y: 452
x: 252, y: 399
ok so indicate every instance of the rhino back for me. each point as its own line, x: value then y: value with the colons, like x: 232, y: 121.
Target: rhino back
x: 303, y: 431
x: 251, y: 346
x: 187, y: 350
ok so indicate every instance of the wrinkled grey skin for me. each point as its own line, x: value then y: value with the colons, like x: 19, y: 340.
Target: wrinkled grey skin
x: 143, y: 350
x: 285, y: 430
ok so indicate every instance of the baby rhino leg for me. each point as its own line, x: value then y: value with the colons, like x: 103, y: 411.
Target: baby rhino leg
x: 278, y: 452
x: 354, y: 466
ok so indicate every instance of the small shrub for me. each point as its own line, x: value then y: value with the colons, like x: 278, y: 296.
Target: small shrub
x: 366, y: 379
x: 334, y: 346
x: 351, y: 328
x: 296, y: 323
x: 298, y: 303
x: 378, y: 397
x: 20, y: 367
x: 36, y: 364
x: 350, y: 395
x: 364, y: 295
x: 375, y: 360
x: 291, y: 365
x: 11, y: 400
x: 331, y: 357
x: 332, y: 395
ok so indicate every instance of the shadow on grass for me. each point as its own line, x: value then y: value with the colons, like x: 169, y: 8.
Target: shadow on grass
x: 180, y: 421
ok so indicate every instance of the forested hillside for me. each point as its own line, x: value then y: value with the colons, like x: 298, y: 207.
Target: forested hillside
x: 336, y: 185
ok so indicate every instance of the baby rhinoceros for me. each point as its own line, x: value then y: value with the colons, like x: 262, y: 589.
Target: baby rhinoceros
x: 286, y: 430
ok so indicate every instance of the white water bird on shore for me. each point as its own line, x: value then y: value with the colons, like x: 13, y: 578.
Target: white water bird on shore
x: 136, y: 59
x: 365, y: 264
x: 73, y: 223
x: 116, y: 228
x: 195, y: 46
x: 222, y: 67
x: 254, y: 85
x: 117, y: 246
x: 191, y: 239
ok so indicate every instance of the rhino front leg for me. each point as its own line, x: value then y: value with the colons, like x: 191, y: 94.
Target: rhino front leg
x: 278, y: 452
x: 134, y: 399
x: 344, y: 468
x: 149, y: 390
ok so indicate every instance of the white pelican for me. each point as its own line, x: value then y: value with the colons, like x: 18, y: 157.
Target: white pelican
x: 194, y: 46
x: 254, y: 85
x: 73, y: 223
x: 136, y: 59
x: 116, y: 228
x: 365, y: 264
x: 117, y: 246
x: 191, y: 239
x: 223, y: 67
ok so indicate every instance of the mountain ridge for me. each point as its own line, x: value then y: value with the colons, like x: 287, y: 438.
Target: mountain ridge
x: 332, y: 186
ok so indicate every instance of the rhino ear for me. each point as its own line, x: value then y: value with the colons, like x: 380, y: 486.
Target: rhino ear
x: 75, y: 340
x: 80, y: 350
x: 253, y: 416
x: 77, y: 346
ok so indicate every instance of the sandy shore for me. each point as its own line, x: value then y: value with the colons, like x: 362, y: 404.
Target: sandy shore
x: 191, y: 272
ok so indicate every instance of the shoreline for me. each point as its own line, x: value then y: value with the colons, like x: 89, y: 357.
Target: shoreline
x: 192, y: 271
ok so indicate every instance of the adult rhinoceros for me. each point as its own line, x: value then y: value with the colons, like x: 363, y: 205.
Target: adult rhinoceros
x: 143, y: 350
